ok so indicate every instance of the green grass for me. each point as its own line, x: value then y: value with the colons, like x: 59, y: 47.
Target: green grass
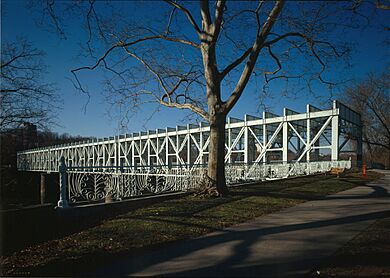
x: 366, y: 255
x: 169, y: 221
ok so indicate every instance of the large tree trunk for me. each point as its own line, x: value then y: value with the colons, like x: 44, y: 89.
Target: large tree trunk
x: 216, y: 161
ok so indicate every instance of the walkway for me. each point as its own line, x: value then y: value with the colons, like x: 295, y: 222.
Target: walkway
x: 289, y: 243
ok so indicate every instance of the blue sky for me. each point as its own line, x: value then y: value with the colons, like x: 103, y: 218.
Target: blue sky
x: 370, y: 55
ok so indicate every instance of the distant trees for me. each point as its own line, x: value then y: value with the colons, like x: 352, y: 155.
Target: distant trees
x: 371, y: 98
x: 13, y: 184
x: 24, y: 94
x: 49, y: 138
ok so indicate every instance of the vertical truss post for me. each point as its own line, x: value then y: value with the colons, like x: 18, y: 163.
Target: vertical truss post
x: 246, y: 141
x: 188, y: 162
x: 49, y: 161
x: 285, y: 137
x: 167, y: 148
x: 308, y: 145
x: 265, y: 139
x: 229, y: 144
x: 157, y: 148
x: 93, y: 147
x: 103, y: 152
x: 201, y: 143
x: 148, y: 150
x: 141, y: 148
x: 335, y: 134
x: 133, y: 151
x: 176, y: 149
x: 116, y: 153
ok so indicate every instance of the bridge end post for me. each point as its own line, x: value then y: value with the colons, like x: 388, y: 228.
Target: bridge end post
x: 63, y: 202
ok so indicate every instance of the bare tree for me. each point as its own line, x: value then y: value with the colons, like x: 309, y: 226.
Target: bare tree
x: 371, y: 98
x: 201, y: 56
x: 25, y: 96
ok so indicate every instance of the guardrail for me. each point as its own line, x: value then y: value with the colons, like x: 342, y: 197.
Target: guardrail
x: 81, y: 183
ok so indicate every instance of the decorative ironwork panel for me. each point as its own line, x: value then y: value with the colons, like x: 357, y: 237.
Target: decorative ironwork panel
x: 98, y: 183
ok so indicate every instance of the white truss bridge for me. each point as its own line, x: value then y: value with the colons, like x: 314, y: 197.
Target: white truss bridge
x: 171, y: 159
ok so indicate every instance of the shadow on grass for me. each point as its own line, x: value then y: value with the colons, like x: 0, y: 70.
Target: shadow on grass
x: 294, y: 191
x: 33, y: 228
x: 142, y: 258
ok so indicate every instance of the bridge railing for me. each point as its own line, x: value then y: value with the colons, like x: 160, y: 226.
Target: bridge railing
x: 99, y: 183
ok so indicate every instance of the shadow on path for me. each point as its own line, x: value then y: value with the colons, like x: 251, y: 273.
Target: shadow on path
x: 241, y: 251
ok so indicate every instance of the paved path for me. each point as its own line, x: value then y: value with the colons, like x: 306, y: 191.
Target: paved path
x: 289, y: 243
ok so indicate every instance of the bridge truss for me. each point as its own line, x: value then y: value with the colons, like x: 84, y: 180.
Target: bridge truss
x: 256, y: 148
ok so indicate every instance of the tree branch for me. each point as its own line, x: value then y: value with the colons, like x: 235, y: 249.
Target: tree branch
x: 372, y: 108
x: 187, y: 13
x: 235, y: 63
x: 201, y: 112
x: 169, y: 93
x: 257, y: 46
x: 122, y: 44
x: 205, y: 13
x: 276, y: 60
x: 376, y: 144
x: 218, y: 18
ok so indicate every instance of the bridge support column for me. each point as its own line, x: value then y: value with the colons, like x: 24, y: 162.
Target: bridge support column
x: 308, y: 133
x: 63, y: 202
x: 285, y: 142
x: 43, y: 188
x: 246, y: 141
x: 335, y: 138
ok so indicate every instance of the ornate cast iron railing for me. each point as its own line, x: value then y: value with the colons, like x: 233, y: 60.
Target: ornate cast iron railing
x: 98, y: 183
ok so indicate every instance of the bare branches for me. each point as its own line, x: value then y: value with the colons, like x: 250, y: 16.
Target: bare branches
x: 309, y: 40
x: 257, y: 46
x: 370, y: 99
x: 167, y: 30
x: 238, y: 61
x: 54, y: 18
x: 276, y: 59
x: 187, y: 13
x: 189, y: 106
x: 23, y: 94
x: 124, y: 45
x: 311, y: 44
x: 169, y: 92
x: 166, y: 99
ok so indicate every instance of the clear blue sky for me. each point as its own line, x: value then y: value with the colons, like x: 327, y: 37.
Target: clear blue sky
x: 370, y: 55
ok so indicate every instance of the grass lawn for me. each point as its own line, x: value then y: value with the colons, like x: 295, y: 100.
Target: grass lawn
x: 366, y: 255
x: 169, y: 221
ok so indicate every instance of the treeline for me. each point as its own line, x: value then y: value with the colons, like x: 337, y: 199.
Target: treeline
x: 22, y: 187
x: 49, y: 138
x: 20, y: 139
